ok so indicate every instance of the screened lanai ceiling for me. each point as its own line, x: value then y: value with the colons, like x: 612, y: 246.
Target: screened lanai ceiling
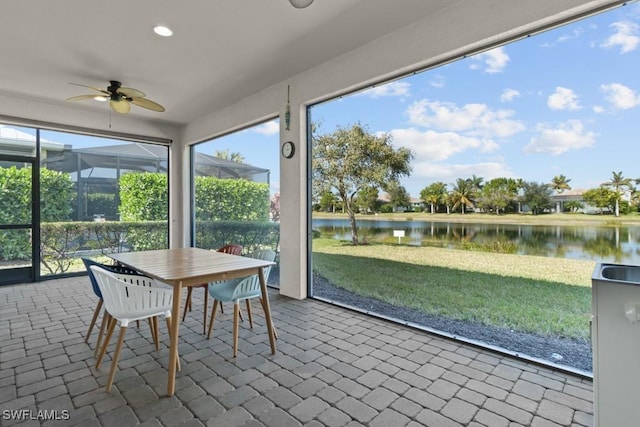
x: 222, y: 51
x: 146, y: 158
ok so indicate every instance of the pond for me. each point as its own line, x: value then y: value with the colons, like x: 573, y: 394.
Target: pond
x: 620, y: 244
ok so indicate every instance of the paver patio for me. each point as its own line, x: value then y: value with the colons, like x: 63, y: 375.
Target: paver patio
x: 334, y: 367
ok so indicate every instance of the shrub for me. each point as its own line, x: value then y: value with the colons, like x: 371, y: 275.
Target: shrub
x: 251, y: 235
x: 231, y: 199
x: 144, y: 197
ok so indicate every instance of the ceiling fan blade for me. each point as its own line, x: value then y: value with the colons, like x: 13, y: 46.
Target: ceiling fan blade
x: 81, y: 97
x: 104, y: 91
x: 147, y: 103
x: 130, y: 92
x: 122, y: 107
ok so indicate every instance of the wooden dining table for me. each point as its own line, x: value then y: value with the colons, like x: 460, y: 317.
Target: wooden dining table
x: 184, y: 267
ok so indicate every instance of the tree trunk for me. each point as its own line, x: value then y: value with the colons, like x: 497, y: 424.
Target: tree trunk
x: 617, y: 208
x: 352, y: 222
x: 432, y: 209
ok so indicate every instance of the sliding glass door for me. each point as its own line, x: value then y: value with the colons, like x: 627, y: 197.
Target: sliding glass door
x: 17, y: 195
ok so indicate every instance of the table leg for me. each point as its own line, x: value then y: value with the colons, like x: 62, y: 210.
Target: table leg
x: 267, y: 310
x: 175, y: 328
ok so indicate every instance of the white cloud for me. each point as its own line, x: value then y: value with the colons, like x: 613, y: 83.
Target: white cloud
x: 567, y: 136
x: 566, y: 37
x: 563, y: 99
x: 431, y: 146
x: 598, y: 109
x: 437, y: 81
x: 620, y: 96
x: 625, y: 36
x: 396, y: 88
x: 509, y: 95
x: 448, y: 173
x: 492, y: 61
x: 474, y: 119
x: 269, y: 128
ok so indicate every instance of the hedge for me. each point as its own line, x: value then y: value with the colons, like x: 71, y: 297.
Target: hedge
x: 56, y: 196
x: 229, y: 211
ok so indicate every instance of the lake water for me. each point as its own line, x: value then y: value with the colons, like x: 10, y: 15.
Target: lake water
x: 619, y: 245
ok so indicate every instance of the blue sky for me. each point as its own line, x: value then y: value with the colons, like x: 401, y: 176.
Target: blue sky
x: 566, y: 101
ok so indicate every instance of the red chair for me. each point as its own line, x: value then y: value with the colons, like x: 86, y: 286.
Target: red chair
x: 228, y: 249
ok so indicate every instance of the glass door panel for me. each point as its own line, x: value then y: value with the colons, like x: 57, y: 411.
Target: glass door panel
x: 16, y: 221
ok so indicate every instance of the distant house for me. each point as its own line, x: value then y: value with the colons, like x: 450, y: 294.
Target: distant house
x: 414, y: 203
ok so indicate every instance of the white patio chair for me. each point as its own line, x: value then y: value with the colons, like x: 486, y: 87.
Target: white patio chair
x: 123, y: 273
x: 237, y: 290
x: 125, y: 301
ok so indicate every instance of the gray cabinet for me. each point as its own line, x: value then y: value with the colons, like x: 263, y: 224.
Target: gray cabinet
x: 616, y: 345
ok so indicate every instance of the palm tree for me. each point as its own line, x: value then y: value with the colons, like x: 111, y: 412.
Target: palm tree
x: 462, y: 194
x: 618, y: 183
x: 226, y: 155
x: 559, y: 184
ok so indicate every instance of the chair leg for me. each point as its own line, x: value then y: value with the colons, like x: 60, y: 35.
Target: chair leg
x: 153, y: 324
x: 112, y: 326
x: 177, y: 358
x: 96, y: 313
x: 213, y: 317
x: 247, y: 301
x: 187, y: 303
x: 116, y: 356
x: 236, y: 315
x: 106, y: 317
x: 206, y: 305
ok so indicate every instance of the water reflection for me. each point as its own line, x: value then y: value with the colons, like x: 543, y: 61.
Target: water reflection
x: 603, y: 244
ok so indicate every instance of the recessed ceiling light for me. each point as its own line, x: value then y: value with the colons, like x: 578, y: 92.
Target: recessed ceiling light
x: 163, y: 31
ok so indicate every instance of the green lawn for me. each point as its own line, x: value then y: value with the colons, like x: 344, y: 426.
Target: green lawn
x: 531, y: 294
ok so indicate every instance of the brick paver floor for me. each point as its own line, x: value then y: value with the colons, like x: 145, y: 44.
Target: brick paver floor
x: 334, y: 367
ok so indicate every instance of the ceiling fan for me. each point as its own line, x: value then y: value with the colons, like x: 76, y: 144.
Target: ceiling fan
x: 120, y: 98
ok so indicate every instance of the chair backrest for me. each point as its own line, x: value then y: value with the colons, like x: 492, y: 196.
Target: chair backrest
x: 250, y: 287
x: 231, y: 249
x: 125, y: 300
x: 112, y: 268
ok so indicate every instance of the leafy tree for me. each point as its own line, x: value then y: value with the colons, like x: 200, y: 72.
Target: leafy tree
x: 462, y: 194
x: 574, y: 205
x: 601, y: 197
x: 350, y: 159
x: 434, y: 194
x: 558, y: 184
x: 226, y: 155
x: 327, y: 201
x: 537, y: 196
x: 618, y: 183
x: 497, y: 194
x: 398, y: 195
x: 367, y: 199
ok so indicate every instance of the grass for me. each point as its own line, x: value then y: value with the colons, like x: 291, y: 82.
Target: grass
x: 550, y: 296
x: 607, y: 220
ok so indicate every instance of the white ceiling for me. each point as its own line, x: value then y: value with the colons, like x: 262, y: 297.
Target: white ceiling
x: 222, y: 50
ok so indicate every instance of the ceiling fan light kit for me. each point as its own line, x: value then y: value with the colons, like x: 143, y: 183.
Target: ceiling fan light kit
x: 300, y: 4
x: 120, y: 98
